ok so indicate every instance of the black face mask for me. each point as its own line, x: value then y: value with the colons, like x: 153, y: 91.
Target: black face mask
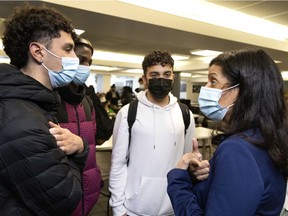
x: 160, y: 87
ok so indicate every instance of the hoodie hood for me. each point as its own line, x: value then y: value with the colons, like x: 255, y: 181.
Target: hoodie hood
x: 141, y: 96
x: 16, y: 85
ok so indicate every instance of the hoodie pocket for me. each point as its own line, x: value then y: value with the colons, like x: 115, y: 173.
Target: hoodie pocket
x: 151, y: 198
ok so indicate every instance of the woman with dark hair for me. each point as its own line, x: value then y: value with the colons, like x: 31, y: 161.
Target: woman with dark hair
x: 247, y: 172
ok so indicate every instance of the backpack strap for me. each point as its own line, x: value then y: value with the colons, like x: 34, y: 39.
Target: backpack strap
x: 186, y: 115
x: 132, y: 112
x: 88, y: 108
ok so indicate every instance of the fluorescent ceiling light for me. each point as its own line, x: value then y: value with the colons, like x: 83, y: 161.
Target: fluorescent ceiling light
x: 205, y: 52
x: 138, y: 71
x: 185, y: 74
x: 208, y: 12
x: 103, y: 68
x: 199, y: 76
x: 1, y: 45
x: 4, y: 59
x: 177, y: 57
x: 284, y: 75
x: 119, y: 57
x: 79, y: 31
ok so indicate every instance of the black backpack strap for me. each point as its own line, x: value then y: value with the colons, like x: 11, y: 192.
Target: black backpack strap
x: 88, y: 108
x: 132, y: 112
x: 186, y: 115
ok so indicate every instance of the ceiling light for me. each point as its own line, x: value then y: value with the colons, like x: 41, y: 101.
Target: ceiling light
x: 103, y: 68
x: 284, y: 75
x: 4, y: 59
x: 205, y: 52
x: 138, y: 71
x: 177, y: 57
x: 185, y: 74
x: 204, y: 11
x: 79, y: 31
x: 119, y: 57
x: 1, y: 45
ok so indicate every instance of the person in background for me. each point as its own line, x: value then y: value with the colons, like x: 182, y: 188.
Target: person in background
x: 113, y: 96
x: 102, y: 97
x: 141, y: 85
x: 127, y: 95
x: 77, y: 114
x: 247, y: 177
x: 39, y: 174
x: 158, y: 141
x: 103, y: 121
x: 110, y: 111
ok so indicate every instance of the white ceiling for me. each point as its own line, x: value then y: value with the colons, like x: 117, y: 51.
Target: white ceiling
x: 115, y: 26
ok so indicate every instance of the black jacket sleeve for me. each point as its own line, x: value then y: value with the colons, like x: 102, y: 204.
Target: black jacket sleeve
x: 35, y: 174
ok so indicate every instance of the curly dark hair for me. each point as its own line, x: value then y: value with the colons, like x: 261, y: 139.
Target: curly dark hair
x: 32, y: 24
x: 157, y: 57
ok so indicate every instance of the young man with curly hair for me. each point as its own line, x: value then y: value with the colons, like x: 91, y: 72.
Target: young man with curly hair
x: 158, y: 140
x: 40, y: 162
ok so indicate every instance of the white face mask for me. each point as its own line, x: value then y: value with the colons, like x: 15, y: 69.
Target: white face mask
x: 66, y: 75
x: 209, y: 102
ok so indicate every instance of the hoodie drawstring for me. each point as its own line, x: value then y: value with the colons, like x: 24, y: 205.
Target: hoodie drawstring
x: 174, y: 129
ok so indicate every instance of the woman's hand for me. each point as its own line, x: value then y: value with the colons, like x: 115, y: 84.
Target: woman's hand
x: 193, y: 162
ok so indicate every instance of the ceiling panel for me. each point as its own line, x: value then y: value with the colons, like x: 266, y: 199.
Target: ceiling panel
x: 121, y: 34
x: 275, y: 11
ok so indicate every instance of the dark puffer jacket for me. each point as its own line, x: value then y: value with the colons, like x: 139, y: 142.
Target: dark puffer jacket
x: 77, y: 114
x: 36, y: 178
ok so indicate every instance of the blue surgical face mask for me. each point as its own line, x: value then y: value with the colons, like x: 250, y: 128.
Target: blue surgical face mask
x: 66, y: 75
x: 81, y: 75
x: 209, y: 103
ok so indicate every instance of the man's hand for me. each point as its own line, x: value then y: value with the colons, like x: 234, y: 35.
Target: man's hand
x: 193, y: 162
x: 67, y: 141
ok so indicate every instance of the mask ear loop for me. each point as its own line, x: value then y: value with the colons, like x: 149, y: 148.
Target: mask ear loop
x: 51, y: 52
x: 227, y: 89
x: 228, y: 107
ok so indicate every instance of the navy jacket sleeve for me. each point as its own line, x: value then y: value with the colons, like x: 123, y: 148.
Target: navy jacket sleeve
x: 180, y: 192
x: 234, y: 187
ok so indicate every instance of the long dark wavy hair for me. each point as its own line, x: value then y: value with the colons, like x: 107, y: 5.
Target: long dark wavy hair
x: 260, y: 103
x: 32, y: 24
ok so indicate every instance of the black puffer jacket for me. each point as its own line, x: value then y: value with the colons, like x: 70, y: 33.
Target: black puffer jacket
x: 36, y: 178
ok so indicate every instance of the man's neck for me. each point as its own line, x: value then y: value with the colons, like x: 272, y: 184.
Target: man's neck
x: 158, y: 101
x: 37, y: 72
